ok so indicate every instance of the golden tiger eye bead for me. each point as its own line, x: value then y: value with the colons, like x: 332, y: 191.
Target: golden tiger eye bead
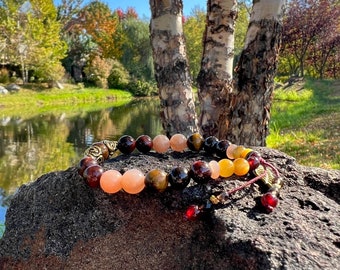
x: 195, y: 142
x: 156, y: 179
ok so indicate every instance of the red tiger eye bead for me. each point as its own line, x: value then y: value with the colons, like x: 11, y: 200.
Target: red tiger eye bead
x: 84, y: 163
x: 200, y: 172
x: 126, y: 144
x: 144, y: 143
x: 269, y: 201
x: 92, y: 175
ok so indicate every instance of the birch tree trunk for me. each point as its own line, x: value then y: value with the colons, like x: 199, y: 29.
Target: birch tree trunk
x: 251, y: 101
x: 215, y: 76
x: 171, y: 67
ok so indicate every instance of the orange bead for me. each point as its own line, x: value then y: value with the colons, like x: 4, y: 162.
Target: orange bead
x: 178, y: 142
x: 161, y: 143
x: 226, y: 167
x: 230, y: 151
x: 241, y: 166
x: 215, y: 169
x: 110, y: 181
x: 245, y: 152
x: 133, y: 181
x: 237, y: 151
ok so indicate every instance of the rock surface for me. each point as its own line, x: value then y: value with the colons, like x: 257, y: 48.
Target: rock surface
x: 58, y: 222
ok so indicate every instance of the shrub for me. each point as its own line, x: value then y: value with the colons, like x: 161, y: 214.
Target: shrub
x: 98, y: 71
x: 119, y: 77
x: 142, y: 88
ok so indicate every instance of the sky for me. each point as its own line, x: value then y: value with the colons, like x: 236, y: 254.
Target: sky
x: 143, y: 9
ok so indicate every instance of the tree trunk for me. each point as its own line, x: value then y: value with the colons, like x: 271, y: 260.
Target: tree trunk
x: 171, y: 67
x: 215, y: 76
x: 251, y: 101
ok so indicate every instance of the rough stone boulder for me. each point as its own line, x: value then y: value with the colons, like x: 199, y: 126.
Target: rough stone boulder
x: 58, y: 222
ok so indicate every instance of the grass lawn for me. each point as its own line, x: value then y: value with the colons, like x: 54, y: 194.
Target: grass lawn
x: 306, y: 122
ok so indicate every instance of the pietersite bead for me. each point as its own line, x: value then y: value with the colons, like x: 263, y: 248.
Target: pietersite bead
x: 178, y: 178
x: 156, y: 179
x: 221, y: 148
x: 209, y: 144
x: 195, y: 142
x: 200, y: 172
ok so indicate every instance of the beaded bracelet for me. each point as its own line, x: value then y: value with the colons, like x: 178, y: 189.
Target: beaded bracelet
x: 234, y: 159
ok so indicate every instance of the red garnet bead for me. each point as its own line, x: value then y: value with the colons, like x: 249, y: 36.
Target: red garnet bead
x: 195, y: 142
x: 126, y: 144
x: 269, y: 201
x: 192, y: 212
x: 200, y: 172
x: 92, y: 175
x: 209, y: 144
x: 254, y: 162
x: 221, y: 148
x: 144, y: 143
x: 178, y: 178
x: 84, y: 163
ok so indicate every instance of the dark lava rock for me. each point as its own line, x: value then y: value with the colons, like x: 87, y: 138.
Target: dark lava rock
x: 58, y: 222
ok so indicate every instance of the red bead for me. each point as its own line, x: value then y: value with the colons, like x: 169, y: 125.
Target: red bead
x: 92, y: 175
x: 254, y: 162
x: 144, y: 143
x: 192, y: 212
x: 269, y: 201
x: 126, y: 144
x: 84, y: 163
x: 200, y: 172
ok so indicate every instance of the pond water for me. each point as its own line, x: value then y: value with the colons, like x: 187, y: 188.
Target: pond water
x: 30, y: 147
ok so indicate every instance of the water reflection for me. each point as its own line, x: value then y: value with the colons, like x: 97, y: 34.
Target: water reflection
x: 51, y: 142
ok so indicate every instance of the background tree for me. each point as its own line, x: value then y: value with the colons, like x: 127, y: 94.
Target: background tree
x: 215, y: 76
x: 311, y: 35
x: 171, y: 67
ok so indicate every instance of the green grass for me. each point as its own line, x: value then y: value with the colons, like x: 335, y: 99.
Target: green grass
x: 32, y: 101
x: 305, y: 123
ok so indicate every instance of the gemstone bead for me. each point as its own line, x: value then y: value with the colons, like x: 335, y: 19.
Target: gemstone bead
x: 192, y: 212
x: 209, y: 144
x: 254, y: 162
x: 215, y: 169
x: 269, y: 201
x: 226, y: 167
x: 84, y: 163
x: 230, y: 151
x: 133, y: 181
x: 221, y: 148
x: 178, y: 142
x: 144, y: 143
x: 178, y: 178
x: 156, y: 179
x: 245, y: 152
x: 110, y: 181
x: 238, y: 151
x: 200, y: 172
x: 195, y: 142
x: 126, y: 144
x: 161, y: 143
x: 253, y: 153
x: 241, y: 166
x: 92, y: 175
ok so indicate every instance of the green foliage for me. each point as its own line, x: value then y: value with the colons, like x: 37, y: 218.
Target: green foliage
x: 193, y: 29
x: 141, y: 88
x: 241, y: 28
x: 119, y: 77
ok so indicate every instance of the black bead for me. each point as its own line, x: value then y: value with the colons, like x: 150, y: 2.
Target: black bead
x: 178, y: 178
